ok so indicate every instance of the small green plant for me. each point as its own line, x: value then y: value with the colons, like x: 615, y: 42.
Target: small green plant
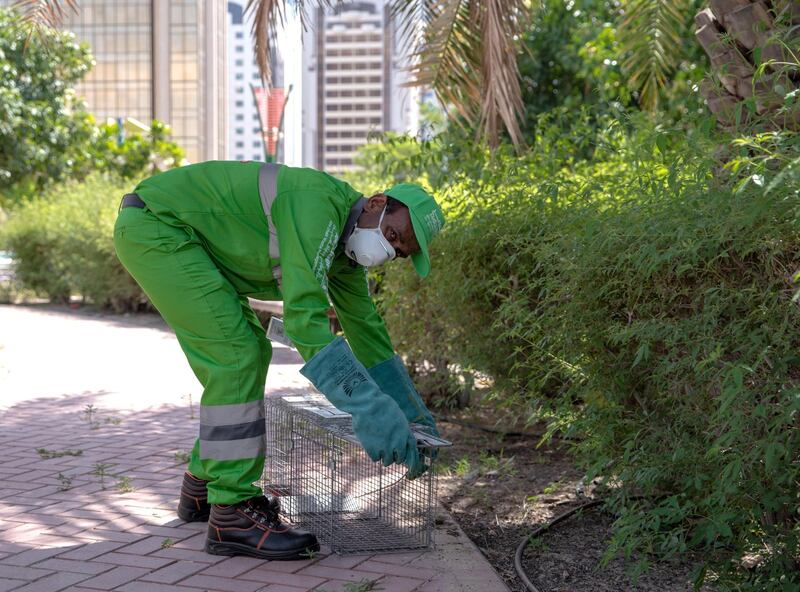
x: 90, y: 416
x: 309, y: 553
x: 188, y: 396
x: 182, y: 456
x: 167, y: 543
x: 45, y: 453
x: 125, y: 484
x: 462, y: 466
x: 537, y: 545
x: 499, y: 463
x: 113, y: 420
x: 65, y: 483
x: 101, y: 470
x: 551, y: 488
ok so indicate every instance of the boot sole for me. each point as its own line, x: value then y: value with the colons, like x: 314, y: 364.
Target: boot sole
x: 231, y: 549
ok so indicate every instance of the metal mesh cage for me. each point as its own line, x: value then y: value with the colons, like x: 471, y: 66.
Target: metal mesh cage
x: 328, y: 484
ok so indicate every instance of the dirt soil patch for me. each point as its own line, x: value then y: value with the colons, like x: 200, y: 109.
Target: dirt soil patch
x: 500, y: 488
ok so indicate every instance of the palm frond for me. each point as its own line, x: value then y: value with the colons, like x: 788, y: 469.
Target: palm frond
x: 268, y: 15
x: 465, y: 50
x: 49, y: 13
x: 651, y: 35
x: 502, y: 95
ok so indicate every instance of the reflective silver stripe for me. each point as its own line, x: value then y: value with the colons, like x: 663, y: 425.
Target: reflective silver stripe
x: 225, y: 415
x: 267, y: 191
x: 233, y: 449
x: 237, y: 431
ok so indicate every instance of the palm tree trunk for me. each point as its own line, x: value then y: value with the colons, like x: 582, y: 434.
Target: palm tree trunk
x: 755, y: 61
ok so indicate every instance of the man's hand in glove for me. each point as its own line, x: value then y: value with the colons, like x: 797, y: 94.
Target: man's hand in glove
x: 378, y: 422
x: 392, y: 378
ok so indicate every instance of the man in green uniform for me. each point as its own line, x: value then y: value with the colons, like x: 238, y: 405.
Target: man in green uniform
x: 199, y: 240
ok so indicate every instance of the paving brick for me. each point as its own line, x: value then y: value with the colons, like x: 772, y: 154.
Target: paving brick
x: 233, y: 566
x: 221, y: 584
x: 335, y: 573
x: 53, y: 582
x: 188, y: 555
x: 265, y: 575
x: 282, y: 588
x: 133, y: 560
x: 8, y: 584
x: 153, y: 587
x: 290, y: 566
x: 99, y: 534
x: 145, y: 546
x: 115, y: 577
x: 22, y: 573
x: 91, y: 568
x: 92, y: 550
x: 397, y: 584
x: 397, y: 570
x: 342, y: 561
x: 396, y: 558
x: 175, y: 572
x: 335, y: 586
x: 33, y: 556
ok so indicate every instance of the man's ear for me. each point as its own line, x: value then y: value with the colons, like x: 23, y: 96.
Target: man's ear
x: 375, y: 203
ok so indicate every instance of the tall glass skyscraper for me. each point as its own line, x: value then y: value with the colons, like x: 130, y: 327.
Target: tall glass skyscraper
x: 157, y: 59
x: 353, y: 82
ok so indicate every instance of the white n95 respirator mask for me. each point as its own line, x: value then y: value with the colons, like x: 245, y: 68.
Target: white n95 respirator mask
x: 368, y: 246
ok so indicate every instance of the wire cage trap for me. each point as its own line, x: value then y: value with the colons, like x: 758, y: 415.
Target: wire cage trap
x: 328, y: 484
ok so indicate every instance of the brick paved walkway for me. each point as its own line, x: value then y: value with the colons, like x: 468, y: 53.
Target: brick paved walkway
x: 117, y: 389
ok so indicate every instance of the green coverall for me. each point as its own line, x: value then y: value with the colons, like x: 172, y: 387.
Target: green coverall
x: 203, y: 245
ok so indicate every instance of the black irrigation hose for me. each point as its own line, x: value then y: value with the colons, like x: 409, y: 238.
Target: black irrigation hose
x: 543, y: 528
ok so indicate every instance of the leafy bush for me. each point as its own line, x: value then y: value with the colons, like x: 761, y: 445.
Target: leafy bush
x: 643, y: 302
x: 62, y: 244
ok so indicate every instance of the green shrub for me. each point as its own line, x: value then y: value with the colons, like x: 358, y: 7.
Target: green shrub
x: 642, y: 302
x: 62, y: 244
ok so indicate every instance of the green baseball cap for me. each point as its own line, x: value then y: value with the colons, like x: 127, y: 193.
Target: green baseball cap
x: 426, y: 218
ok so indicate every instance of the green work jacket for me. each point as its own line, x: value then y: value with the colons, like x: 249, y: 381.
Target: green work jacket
x: 274, y: 232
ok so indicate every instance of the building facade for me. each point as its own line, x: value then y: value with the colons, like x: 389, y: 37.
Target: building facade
x: 244, y: 126
x: 352, y: 77
x: 157, y: 59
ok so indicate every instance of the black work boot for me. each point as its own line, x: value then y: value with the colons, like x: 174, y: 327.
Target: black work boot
x: 194, y: 506
x: 253, y: 527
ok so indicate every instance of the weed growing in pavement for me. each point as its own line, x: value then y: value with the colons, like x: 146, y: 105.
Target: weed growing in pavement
x: 45, y: 453
x: 90, y: 416
x: 125, y: 484
x: 101, y: 470
x: 182, y: 456
x: 65, y: 483
x: 191, y: 405
x: 167, y: 543
x: 309, y: 553
x: 113, y: 420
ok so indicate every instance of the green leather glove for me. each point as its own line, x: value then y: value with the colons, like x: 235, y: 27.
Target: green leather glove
x: 392, y: 378
x: 378, y: 422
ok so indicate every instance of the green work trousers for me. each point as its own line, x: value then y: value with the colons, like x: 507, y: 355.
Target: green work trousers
x: 222, y: 338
